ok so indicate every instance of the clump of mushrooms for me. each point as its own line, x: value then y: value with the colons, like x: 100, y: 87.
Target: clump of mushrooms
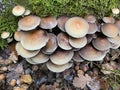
x: 74, y: 39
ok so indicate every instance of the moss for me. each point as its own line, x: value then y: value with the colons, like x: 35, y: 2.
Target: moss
x: 42, y: 8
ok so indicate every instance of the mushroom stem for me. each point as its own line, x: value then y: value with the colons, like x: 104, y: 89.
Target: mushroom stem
x: 50, y: 30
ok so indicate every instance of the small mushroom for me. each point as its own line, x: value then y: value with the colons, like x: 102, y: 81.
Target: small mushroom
x: 78, y: 42
x: 77, y: 57
x: 18, y: 10
x: 40, y: 58
x: 29, y: 22
x: 90, y: 18
x: 92, y: 28
x: 117, y: 23
x: 61, y: 22
x: 108, y: 19
x: 25, y: 53
x: 35, y: 40
x: 110, y: 30
x: 115, y: 11
x: 58, y: 68
x: 63, y: 41
x: 48, y: 22
x: 101, y: 43
x: 5, y: 34
x: 61, y: 57
x: 51, y: 44
x: 27, y: 12
x: 76, y: 27
x: 91, y: 54
x: 18, y: 35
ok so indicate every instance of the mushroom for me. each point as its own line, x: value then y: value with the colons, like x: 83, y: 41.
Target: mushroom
x: 92, y: 28
x: 63, y: 41
x: 5, y: 34
x: 114, y: 40
x: 40, y: 58
x: 76, y: 27
x: 90, y: 18
x: 27, y: 12
x: 29, y: 60
x: 18, y: 35
x: 61, y: 22
x: 61, y: 57
x: 90, y: 37
x: 29, y: 22
x: 77, y: 57
x: 34, y: 40
x: 51, y: 45
x: 25, y: 53
x: 108, y: 19
x: 58, y: 68
x: 115, y: 46
x: 91, y: 54
x: 101, y: 43
x: 48, y: 22
x: 78, y: 42
x: 115, y: 11
x: 18, y: 10
x: 110, y: 30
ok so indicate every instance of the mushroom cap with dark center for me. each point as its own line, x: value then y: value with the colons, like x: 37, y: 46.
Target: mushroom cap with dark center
x: 51, y: 45
x: 35, y: 40
x: 29, y: 22
x: 61, y: 22
x: 63, y: 41
x: 101, y: 43
x: 78, y: 42
x: 108, y: 19
x: 76, y: 27
x: 90, y: 18
x: 48, y: 22
x: 58, y: 68
x: 25, y: 53
x: 91, y: 54
x: 61, y: 57
x: 40, y: 58
x: 110, y: 30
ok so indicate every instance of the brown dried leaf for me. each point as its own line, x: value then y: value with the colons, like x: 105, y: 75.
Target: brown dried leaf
x: 81, y: 80
x: 27, y: 79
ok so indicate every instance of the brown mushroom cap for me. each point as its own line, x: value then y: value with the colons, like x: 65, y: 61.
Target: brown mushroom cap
x: 35, y: 40
x: 90, y: 18
x: 61, y: 22
x: 58, y: 68
x: 110, y: 30
x: 92, y: 28
x: 61, y: 57
x: 48, y: 22
x: 101, y: 43
x: 77, y: 57
x: 63, y: 41
x: 108, y: 19
x: 18, y: 35
x: 5, y: 34
x: 78, y: 42
x: 117, y: 23
x: 51, y: 44
x: 115, y: 40
x: 76, y: 27
x: 18, y: 10
x: 25, y: 53
x: 40, y: 58
x: 91, y: 54
x: 29, y: 22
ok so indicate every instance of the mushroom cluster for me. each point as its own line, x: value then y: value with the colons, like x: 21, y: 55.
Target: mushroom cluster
x: 59, y: 42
